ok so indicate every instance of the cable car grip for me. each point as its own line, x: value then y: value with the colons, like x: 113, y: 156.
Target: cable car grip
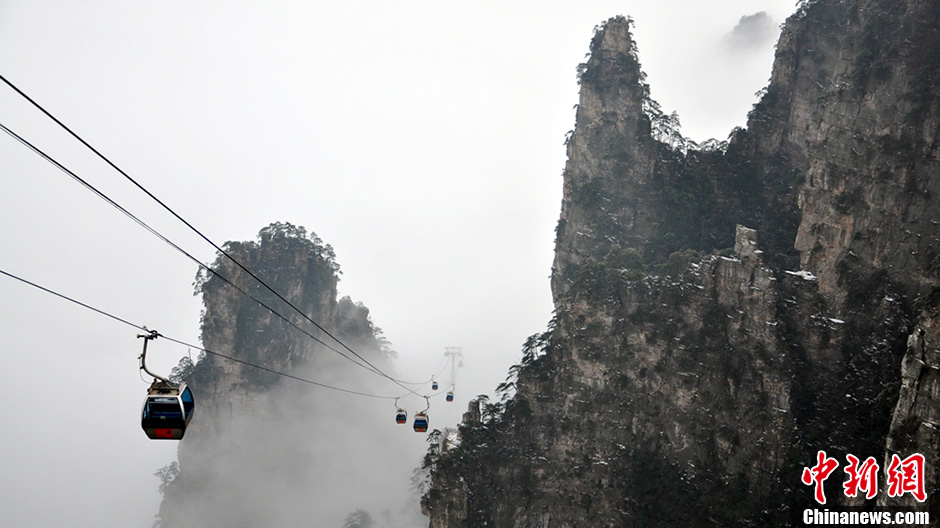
x: 153, y: 334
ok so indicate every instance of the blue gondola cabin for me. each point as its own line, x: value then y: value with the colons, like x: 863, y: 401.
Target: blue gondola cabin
x: 421, y: 422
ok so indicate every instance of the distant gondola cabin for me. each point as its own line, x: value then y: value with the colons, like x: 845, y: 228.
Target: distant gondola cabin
x: 421, y: 422
x: 401, y: 416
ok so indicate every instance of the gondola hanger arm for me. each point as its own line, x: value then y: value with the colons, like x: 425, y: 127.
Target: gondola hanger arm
x: 153, y: 334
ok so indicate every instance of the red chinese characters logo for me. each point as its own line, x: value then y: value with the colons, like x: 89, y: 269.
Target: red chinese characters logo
x: 906, y: 476
x: 864, y: 478
x: 819, y: 473
x: 902, y: 476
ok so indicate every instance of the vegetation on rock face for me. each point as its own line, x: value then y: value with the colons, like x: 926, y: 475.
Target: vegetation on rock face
x: 285, y: 252
x: 682, y: 382
x: 284, y: 256
x: 301, y: 268
x: 659, y: 192
x: 250, y: 426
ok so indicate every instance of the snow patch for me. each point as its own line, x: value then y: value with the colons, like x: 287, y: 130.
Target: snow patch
x: 805, y: 275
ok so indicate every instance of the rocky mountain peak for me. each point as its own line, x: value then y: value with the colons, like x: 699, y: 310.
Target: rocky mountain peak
x: 693, y: 369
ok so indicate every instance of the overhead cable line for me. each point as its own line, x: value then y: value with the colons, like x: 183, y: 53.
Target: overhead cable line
x: 368, y: 366
x: 201, y: 235
x: 169, y: 242
x: 207, y: 351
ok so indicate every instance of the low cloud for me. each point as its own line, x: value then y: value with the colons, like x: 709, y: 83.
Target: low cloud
x: 752, y: 32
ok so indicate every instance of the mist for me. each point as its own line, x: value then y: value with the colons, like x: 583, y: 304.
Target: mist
x: 294, y: 456
x: 297, y: 412
x: 424, y: 142
x: 752, y: 33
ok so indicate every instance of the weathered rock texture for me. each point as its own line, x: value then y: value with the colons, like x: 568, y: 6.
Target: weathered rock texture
x: 263, y: 450
x: 725, y: 313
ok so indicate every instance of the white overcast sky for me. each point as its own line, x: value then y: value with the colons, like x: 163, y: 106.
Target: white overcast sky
x: 423, y: 140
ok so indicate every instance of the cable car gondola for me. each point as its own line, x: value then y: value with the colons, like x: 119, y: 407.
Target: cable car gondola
x: 401, y: 415
x: 433, y: 384
x: 421, y: 419
x: 450, y: 396
x: 168, y: 407
x: 167, y: 410
x: 421, y: 422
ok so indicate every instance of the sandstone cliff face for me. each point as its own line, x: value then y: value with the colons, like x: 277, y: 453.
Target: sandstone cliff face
x: 262, y: 450
x: 695, y: 364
